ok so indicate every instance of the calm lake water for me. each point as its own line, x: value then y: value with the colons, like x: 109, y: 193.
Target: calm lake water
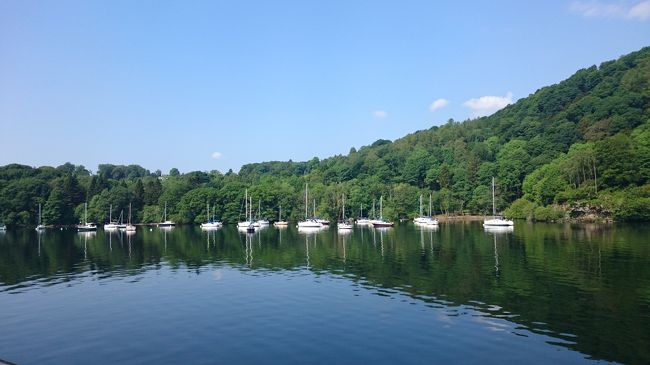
x: 543, y: 293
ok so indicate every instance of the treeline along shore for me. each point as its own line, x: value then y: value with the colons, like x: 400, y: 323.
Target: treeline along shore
x: 576, y: 150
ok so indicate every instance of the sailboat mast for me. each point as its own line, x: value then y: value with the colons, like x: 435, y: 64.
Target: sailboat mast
x: 39, y: 214
x: 381, y: 207
x: 86, y: 213
x: 494, y: 209
x: 110, y: 213
x: 129, y: 213
x: 420, y: 205
x: 306, y: 214
x: 314, y: 207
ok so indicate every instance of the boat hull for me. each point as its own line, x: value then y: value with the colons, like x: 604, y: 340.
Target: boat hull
x: 498, y: 223
x: 210, y: 225
x: 382, y: 224
x: 310, y: 224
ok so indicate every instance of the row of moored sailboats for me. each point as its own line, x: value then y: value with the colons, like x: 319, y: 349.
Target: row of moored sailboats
x: 249, y: 224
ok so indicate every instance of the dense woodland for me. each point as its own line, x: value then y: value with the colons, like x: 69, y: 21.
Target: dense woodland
x: 570, y: 149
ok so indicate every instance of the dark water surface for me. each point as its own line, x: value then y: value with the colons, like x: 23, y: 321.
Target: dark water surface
x: 541, y: 294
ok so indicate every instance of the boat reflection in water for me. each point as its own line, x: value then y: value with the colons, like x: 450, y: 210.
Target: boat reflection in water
x: 530, y: 294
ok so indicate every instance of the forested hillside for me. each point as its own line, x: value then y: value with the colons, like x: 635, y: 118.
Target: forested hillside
x: 577, y: 147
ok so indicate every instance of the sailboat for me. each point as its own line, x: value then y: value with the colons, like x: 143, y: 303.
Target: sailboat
x: 166, y: 223
x: 322, y: 221
x: 280, y: 222
x: 421, y: 219
x: 40, y: 225
x: 433, y: 221
x: 261, y: 222
x: 111, y: 225
x: 120, y: 220
x: 247, y: 222
x: 253, y: 225
x: 496, y: 221
x: 425, y: 220
x: 374, y: 213
x: 86, y: 227
x: 210, y: 223
x: 343, y: 224
x: 381, y: 222
x: 309, y: 222
x: 361, y: 220
x: 130, y: 227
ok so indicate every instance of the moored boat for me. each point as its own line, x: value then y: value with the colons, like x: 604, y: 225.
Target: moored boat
x: 86, y: 226
x: 381, y: 222
x: 496, y: 221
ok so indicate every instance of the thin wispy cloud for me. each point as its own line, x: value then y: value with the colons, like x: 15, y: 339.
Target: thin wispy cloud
x: 437, y: 104
x: 635, y: 10
x: 380, y: 114
x: 216, y: 155
x: 486, y: 105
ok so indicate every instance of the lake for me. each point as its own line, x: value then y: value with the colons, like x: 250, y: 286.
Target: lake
x: 412, y: 295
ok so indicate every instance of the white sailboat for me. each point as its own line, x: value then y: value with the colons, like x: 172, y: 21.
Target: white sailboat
x: 496, y: 221
x: 361, y: 221
x: 247, y: 222
x: 166, y: 223
x: 40, y: 225
x: 86, y: 227
x: 381, y: 222
x: 280, y: 222
x: 120, y: 220
x: 322, y: 221
x: 343, y: 224
x: 309, y: 222
x: 210, y: 222
x: 421, y: 219
x: 434, y: 220
x: 130, y: 227
x: 261, y: 222
x: 110, y: 226
x: 425, y: 220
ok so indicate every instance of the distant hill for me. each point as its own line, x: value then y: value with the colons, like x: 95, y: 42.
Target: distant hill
x: 599, y: 114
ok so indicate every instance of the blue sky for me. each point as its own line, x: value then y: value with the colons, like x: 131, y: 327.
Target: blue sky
x: 205, y: 85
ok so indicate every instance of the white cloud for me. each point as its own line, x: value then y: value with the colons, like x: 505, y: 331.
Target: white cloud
x: 486, y: 105
x: 216, y: 155
x: 380, y: 114
x: 639, y: 10
x: 437, y: 104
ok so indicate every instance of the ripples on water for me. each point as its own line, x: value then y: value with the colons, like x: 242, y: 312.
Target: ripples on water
x: 405, y: 295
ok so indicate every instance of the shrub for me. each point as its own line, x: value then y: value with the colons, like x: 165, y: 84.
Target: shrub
x: 521, y: 209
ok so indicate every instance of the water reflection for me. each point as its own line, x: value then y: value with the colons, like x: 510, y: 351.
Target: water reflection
x: 576, y: 284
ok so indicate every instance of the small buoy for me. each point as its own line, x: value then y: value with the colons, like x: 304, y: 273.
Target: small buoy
x: 150, y: 229
x: 62, y: 228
